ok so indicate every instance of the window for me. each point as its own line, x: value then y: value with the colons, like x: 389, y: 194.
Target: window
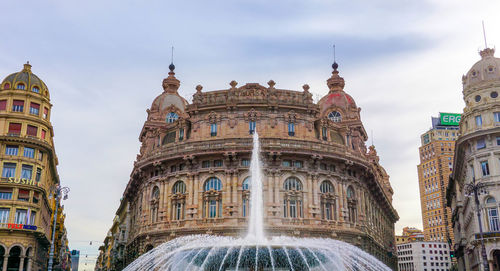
x: 245, y: 162
x: 4, y: 215
x: 479, y: 121
x: 26, y: 172
x: 9, y: 170
x: 43, y: 134
x: 179, y: 188
x: 172, y: 117
x: 32, y: 130
x: 45, y: 112
x: 34, y: 108
x: 32, y: 218
x: 335, y: 116
x: 21, y: 216
x: 11, y: 150
x: 492, y: 214
x: 23, y: 195
x: 18, y: 106
x: 328, y: 206
x: 485, y: 168
x: 35, y: 89
x: 213, y: 129
x: 480, y: 144
x: 291, y: 129
x: 14, y: 128
x: 6, y: 86
x: 323, y: 166
x: 292, y: 202
x: 251, y: 127
x: 212, y: 204
x: 286, y: 163
x: 169, y: 138
x: 29, y: 152
x: 3, y: 105
x: 181, y: 134
x: 40, y: 155
x: 179, y: 200
x: 496, y: 117
x: 205, y: 164
x: 182, y: 166
x: 297, y: 164
x: 351, y: 204
x: 246, y: 195
x: 217, y: 163
x: 5, y: 193
x: 21, y: 86
x: 36, y: 197
x: 324, y: 133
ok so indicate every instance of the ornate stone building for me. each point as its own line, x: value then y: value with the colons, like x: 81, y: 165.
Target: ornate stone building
x: 476, y: 161
x: 29, y: 173
x: 192, y: 173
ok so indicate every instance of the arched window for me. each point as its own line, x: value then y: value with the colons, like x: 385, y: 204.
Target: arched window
x: 335, y: 116
x: 178, y: 200
x: 351, y: 204
x: 328, y: 206
x: 291, y: 129
x: 246, y: 196
x: 35, y: 89
x: 21, y: 86
x: 155, y: 199
x: 292, y: 200
x: 492, y: 210
x: 212, y: 198
x: 14, y: 260
x: 172, y: 117
x: 6, y: 86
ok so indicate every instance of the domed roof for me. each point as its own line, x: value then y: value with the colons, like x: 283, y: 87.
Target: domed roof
x: 26, y: 78
x: 336, y: 97
x: 486, y: 69
x: 170, y: 96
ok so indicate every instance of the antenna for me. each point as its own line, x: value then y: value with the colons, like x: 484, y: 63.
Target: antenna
x: 372, y: 136
x: 172, y: 56
x: 334, y: 58
x: 484, y: 35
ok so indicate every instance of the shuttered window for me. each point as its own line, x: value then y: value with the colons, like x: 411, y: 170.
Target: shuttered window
x: 18, y: 106
x: 3, y: 105
x: 15, y: 128
x: 43, y: 134
x: 34, y: 109
x: 24, y: 195
x: 32, y: 130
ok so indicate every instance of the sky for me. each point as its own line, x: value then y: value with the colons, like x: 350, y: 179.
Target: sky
x: 104, y: 62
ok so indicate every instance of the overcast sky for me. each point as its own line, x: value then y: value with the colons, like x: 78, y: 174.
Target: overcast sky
x: 104, y: 62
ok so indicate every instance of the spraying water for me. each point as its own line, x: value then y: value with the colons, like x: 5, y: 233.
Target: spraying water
x: 256, y: 223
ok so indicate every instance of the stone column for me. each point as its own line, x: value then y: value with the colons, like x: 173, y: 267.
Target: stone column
x: 21, y: 264
x: 277, y: 187
x: 5, y: 259
x: 163, y: 200
x: 30, y: 260
x: 235, y: 188
x: 270, y: 187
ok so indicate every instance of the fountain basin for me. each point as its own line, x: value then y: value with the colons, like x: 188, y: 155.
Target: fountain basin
x: 216, y: 253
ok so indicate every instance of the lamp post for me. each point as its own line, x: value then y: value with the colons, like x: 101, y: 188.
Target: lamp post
x: 58, y: 193
x: 474, y: 189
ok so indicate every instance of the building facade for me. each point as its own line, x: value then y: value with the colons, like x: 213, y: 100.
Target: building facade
x: 477, y: 155
x: 424, y: 256
x: 320, y: 179
x: 29, y: 172
x: 409, y: 235
x: 75, y: 260
x: 436, y: 165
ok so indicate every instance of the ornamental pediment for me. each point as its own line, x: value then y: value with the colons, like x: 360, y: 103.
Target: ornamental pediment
x: 253, y: 90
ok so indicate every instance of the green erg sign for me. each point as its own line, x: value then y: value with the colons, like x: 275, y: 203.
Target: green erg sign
x: 450, y: 119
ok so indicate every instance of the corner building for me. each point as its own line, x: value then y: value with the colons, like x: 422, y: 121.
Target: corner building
x: 192, y: 173
x: 28, y: 162
x: 477, y: 156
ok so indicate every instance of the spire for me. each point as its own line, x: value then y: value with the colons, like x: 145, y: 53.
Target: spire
x: 486, y: 52
x: 171, y: 84
x: 335, y: 82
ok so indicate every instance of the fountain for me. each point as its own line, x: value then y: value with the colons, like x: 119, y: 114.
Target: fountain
x: 255, y: 252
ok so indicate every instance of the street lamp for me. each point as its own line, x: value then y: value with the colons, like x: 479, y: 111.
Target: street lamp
x: 58, y: 193
x: 474, y: 188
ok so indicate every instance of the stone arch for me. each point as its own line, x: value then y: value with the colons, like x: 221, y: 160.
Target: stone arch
x: 15, y: 254
x: 3, y: 254
x: 301, y: 178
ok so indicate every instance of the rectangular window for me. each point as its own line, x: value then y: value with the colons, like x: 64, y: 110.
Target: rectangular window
x: 18, y: 106
x: 498, y: 140
x: 169, y: 138
x: 3, y: 105
x: 29, y: 152
x: 493, y: 217
x: 322, y: 166
x: 212, y: 208
x: 32, y: 218
x: 496, y: 117
x: 181, y: 134
x: 217, y: 163
x: 480, y: 144
x: 324, y: 133
x: 479, y: 121
x: 26, y: 172
x: 23, y: 195
x: 38, y: 175
x: 173, y: 168
x: 213, y: 129
x: 34, y: 108
x: 32, y: 130
x: 251, y: 127
x: 291, y: 129
x: 4, y: 215
x: 297, y: 164
x: 5, y: 193
x: 286, y: 163
x: 9, y: 170
x: 293, y: 208
x: 11, y: 150
x: 40, y: 155
x: 181, y: 167
x: 332, y: 167
x: 36, y: 197
x: 43, y: 134
x: 245, y: 162
x: 205, y: 164
x: 21, y: 216
x: 14, y: 128
x: 485, y: 168
x: 45, y: 112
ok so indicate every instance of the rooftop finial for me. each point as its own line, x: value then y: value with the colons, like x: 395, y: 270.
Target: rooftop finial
x: 484, y: 35
x: 172, y: 66
x: 334, y: 65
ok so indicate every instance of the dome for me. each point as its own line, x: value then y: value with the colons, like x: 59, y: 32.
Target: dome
x: 25, y: 80
x: 336, y: 97
x: 166, y: 100
x: 485, y: 70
